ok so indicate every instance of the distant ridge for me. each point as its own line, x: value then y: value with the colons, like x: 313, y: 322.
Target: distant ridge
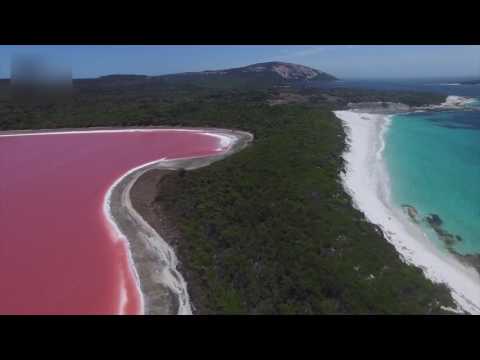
x: 255, y: 75
x: 471, y: 82
x: 123, y: 77
x: 282, y: 70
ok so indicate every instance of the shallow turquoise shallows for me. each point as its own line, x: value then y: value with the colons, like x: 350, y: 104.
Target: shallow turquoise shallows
x: 433, y: 159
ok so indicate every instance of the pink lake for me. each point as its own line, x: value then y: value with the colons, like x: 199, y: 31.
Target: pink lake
x: 57, y: 254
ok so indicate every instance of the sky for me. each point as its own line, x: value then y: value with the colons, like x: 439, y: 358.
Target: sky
x: 343, y: 61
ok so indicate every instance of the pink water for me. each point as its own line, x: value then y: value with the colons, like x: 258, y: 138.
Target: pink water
x: 57, y: 251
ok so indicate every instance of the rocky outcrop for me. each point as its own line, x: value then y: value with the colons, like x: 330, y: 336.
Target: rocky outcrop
x: 283, y: 70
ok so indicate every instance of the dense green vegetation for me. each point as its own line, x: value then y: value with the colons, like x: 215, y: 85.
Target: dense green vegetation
x: 270, y: 229
x: 139, y: 101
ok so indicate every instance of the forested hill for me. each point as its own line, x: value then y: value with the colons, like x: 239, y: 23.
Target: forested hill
x: 251, y: 76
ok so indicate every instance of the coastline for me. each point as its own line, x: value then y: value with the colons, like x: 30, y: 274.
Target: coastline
x: 367, y: 181
x: 153, y: 260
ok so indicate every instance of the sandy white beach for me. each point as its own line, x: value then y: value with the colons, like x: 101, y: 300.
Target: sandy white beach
x: 454, y: 102
x: 367, y: 181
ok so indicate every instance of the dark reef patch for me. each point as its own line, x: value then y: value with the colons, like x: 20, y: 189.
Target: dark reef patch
x: 411, y: 212
x: 436, y: 223
x: 449, y: 239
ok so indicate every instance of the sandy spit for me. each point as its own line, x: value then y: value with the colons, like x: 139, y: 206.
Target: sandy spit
x: 154, y: 262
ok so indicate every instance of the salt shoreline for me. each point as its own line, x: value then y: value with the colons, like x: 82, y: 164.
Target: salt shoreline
x: 367, y: 181
x: 162, y: 272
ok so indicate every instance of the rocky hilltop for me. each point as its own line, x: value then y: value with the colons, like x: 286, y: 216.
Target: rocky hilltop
x: 282, y: 70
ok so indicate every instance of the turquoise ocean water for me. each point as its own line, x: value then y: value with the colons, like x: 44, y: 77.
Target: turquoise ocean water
x: 433, y: 159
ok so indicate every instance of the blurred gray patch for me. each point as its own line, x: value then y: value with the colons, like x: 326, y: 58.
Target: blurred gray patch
x: 34, y: 79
